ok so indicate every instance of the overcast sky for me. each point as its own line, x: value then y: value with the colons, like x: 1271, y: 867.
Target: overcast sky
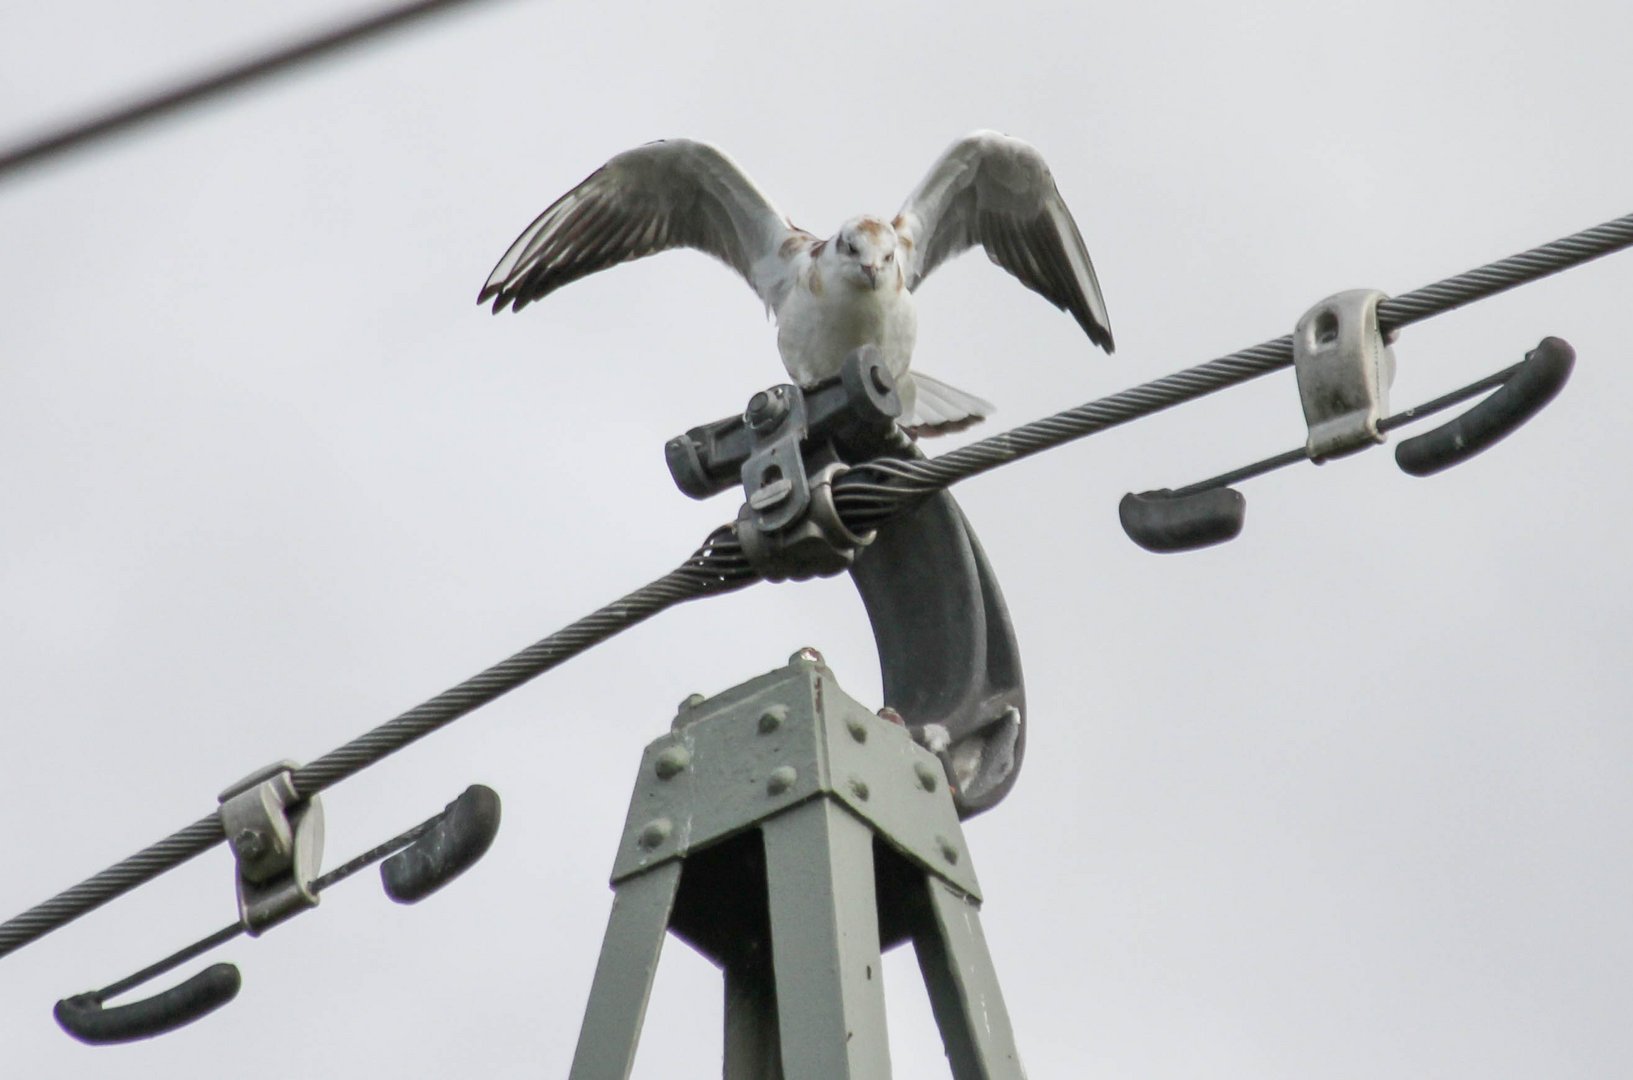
x: 1348, y: 797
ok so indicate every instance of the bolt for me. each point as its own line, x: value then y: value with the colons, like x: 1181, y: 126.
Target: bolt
x: 807, y: 655
x: 655, y: 832
x: 887, y: 713
x: 671, y: 761
x: 859, y: 788
x: 781, y: 779
x: 858, y: 730
x: 765, y: 409
x: 948, y: 852
x: 772, y: 718
x: 683, y: 713
x: 926, y: 774
x: 250, y: 844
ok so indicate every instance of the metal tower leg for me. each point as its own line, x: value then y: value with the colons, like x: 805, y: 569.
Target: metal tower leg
x: 753, y: 1050
x: 825, y: 943
x: 623, y: 975
x: 964, y: 994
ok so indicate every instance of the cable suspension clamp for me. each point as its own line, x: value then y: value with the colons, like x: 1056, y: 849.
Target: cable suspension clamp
x: 1344, y: 367
x: 277, y: 839
x: 814, y: 543
x: 785, y: 451
x: 947, y: 651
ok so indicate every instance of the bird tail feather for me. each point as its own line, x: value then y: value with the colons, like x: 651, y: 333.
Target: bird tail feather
x: 939, y: 409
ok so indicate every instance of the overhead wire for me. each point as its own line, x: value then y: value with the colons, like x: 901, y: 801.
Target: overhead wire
x: 193, y: 91
x: 871, y: 505
x: 866, y: 497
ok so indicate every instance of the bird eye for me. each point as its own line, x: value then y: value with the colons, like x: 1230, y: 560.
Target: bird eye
x: 890, y: 257
x: 845, y: 247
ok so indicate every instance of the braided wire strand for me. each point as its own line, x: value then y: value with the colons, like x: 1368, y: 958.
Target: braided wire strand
x: 717, y: 567
x: 875, y: 491
x: 116, y: 880
x: 867, y: 496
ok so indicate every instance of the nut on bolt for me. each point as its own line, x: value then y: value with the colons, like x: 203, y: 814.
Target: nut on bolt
x: 250, y: 844
x: 690, y: 702
x: 671, y: 762
x: 773, y: 718
x: 765, y: 409
x: 655, y: 832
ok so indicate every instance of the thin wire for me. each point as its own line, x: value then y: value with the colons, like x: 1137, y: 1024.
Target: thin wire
x: 375, y: 854
x: 1446, y: 401
x: 232, y: 930
x: 193, y: 91
x: 866, y: 497
x: 1388, y: 423
x: 174, y: 960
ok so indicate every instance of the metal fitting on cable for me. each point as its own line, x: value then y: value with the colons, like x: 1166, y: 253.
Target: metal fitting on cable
x: 277, y: 838
x: 1344, y: 368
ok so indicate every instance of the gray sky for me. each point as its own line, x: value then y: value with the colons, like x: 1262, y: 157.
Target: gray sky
x: 1346, y: 798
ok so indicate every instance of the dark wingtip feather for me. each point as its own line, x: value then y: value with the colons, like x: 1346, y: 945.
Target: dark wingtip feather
x: 1101, y: 336
x: 1098, y: 333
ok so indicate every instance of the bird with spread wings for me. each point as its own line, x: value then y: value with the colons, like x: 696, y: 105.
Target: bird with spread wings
x: 829, y: 296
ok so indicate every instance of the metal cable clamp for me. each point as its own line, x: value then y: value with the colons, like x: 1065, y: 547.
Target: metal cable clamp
x: 1344, y: 367
x: 813, y: 543
x: 277, y: 838
x: 783, y: 451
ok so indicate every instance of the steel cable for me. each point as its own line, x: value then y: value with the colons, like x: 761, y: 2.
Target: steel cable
x: 870, y: 494
x: 716, y: 567
x: 860, y: 495
x: 163, y: 102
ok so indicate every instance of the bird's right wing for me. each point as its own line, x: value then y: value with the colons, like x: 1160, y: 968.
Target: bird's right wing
x: 669, y: 194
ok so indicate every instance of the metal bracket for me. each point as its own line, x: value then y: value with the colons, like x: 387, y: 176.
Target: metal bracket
x: 774, y: 480
x: 1344, y: 368
x: 277, y: 838
x: 858, y: 410
x: 783, y: 450
x: 814, y: 544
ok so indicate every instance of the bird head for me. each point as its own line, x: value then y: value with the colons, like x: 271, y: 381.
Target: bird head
x: 865, y: 250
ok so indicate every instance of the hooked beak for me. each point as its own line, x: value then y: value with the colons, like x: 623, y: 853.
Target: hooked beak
x: 872, y: 273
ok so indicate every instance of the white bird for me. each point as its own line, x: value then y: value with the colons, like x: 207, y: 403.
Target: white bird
x: 829, y: 296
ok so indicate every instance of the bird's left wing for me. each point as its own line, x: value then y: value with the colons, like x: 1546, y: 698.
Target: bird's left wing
x: 992, y: 190
x: 669, y: 194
